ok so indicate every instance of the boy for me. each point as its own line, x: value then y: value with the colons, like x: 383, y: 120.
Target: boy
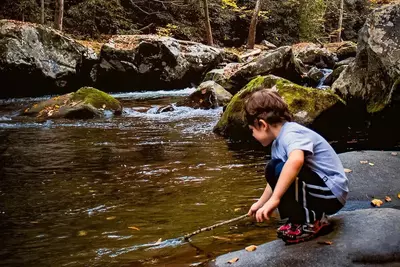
x: 305, y: 177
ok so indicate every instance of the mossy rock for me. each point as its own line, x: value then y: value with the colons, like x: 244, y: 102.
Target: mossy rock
x: 86, y: 103
x: 306, y: 104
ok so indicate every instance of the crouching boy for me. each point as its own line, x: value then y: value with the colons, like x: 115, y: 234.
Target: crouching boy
x: 305, y: 177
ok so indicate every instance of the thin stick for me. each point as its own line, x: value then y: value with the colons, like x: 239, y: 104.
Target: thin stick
x: 186, y: 237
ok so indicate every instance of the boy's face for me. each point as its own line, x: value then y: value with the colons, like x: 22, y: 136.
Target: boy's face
x: 261, y: 132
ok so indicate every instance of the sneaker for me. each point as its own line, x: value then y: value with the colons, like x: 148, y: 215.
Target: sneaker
x: 303, y: 232
x: 283, y: 229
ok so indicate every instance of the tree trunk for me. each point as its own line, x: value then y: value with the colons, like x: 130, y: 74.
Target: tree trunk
x: 339, y: 34
x: 42, y: 11
x: 207, y: 23
x: 59, y: 14
x: 253, y: 25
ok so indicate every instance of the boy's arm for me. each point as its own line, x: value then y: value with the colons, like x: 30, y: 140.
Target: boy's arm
x: 289, y: 173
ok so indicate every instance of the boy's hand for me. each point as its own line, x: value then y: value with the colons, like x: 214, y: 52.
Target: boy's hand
x: 254, y: 208
x: 265, y: 211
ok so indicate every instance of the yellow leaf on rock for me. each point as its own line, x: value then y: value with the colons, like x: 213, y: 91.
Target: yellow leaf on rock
x: 325, y: 242
x: 363, y: 161
x: 372, y: 164
x: 134, y: 228
x: 398, y: 195
x: 82, y: 233
x: 111, y: 218
x: 394, y: 153
x: 347, y: 170
x: 388, y: 199
x: 376, y: 202
x: 233, y: 260
x: 251, y: 248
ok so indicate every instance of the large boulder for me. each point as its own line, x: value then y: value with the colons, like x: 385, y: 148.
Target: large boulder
x: 342, y: 50
x: 208, y: 95
x: 37, y: 60
x: 374, y: 77
x: 369, y: 237
x: 85, y: 103
x: 138, y: 62
x: 280, y: 62
x: 306, y: 104
x: 314, y: 55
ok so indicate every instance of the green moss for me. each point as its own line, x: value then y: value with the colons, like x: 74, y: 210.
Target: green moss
x: 96, y: 98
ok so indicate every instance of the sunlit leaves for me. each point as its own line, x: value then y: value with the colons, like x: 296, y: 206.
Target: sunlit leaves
x: 251, y: 248
x: 233, y: 260
x: 376, y: 202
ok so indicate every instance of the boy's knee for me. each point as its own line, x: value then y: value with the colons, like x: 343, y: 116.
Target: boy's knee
x: 273, y: 170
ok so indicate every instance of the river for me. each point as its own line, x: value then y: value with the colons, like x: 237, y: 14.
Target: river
x: 94, y: 193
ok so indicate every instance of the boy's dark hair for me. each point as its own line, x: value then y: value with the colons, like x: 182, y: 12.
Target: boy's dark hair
x: 268, y: 105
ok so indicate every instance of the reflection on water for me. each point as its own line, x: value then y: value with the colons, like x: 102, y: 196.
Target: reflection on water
x: 96, y: 192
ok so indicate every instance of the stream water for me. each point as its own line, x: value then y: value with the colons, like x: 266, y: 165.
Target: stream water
x: 95, y: 193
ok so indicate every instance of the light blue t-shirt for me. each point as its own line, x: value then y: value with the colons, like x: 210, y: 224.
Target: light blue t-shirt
x: 319, y: 156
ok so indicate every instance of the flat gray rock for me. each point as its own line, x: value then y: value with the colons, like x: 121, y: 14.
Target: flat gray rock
x: 369, y: 237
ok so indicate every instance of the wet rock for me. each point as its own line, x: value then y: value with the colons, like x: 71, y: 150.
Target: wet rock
x: 342, y: 50
x: 163, y: 109
x: 378, y: 244
x: 221, y: 76
x: 374, y: 77
x: 208, y: 95
x: 37, y: 60
x: 306, y: 104
x: 130, y: 62
x: 313, y: 55
x: 279, y: 62
x: 346, y: 61
x: 334, y: 75
x: 86, y: 103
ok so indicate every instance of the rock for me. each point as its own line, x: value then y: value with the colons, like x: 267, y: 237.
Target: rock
x: 208, y: 95
x: 37, y: 60
x: 130, y: 62
x: 167, y: 108
x: 334, y: 75
x: 221, y: 76
x: 315, y: 75
x: 313, y: 55
x: 346, y: 62
x: 378, y: 244
x: 306, y: 104
x: 342, y: 50
x: 374, y: 77
x: 268, y: 44
x: 279, y: 62
x: 86, y: 103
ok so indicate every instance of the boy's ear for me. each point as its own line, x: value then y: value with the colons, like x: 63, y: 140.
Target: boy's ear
x: 262, y: 123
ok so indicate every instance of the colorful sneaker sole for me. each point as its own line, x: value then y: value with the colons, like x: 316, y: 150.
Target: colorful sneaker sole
x: 294, y: 240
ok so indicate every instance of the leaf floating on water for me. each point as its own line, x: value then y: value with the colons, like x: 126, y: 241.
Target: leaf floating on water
x: 376, y: 202
x: 251, y: 248
x: 364, y: 161
x: 134, y: 228
x: 159, y: 241
x: 233, y: 260
x: 82, y: 233
x: 388, y: 199
x: 394, y: 153
x: 237, y: 209
x: 111, y: 218
x: 325, y: 242
x: 372, y: 164
x: 347, y: 170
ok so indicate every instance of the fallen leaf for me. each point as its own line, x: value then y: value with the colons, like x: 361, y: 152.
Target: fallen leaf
x: 388, y: 199
x: 347, y: 170
x: 221, y: 238
x: 251, y: 248
x: 111, y: 218
x: 372, y: 164
x: 159, y: 241
x: 134, y: 228
x: 238, y: 209
x: 398, y: 195
x: 104, y: 105
x: 376, y: 202
x: 233, y: 260
x: 325, y: 242
x: 394, y: 153
x: 363, y: 161
x: 82, y: 233
x: 34, y: 222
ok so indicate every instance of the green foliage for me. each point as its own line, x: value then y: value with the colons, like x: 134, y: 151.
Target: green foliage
x: 312, y: 14
x: 168, y: 30
x: 229, y: 3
